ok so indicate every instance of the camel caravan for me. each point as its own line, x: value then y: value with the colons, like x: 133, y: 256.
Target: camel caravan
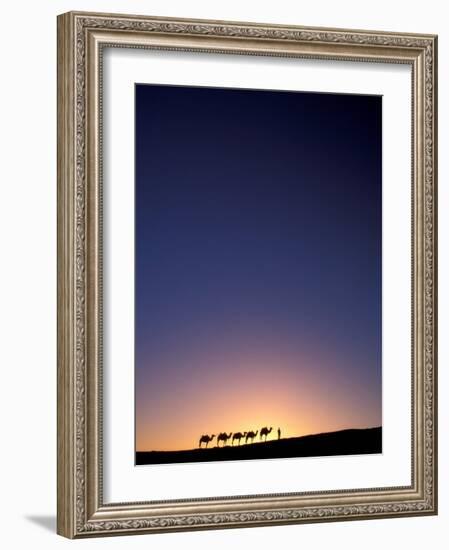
x: 248, y: 437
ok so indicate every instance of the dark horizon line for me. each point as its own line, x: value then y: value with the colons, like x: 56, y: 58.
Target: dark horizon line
x: 313, y: 434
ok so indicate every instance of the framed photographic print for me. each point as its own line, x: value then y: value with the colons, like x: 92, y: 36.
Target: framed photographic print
x: 246, y: 274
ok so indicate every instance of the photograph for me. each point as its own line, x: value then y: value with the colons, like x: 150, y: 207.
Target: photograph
x: 258, y: 274
x: 246, y: 273
x: 222, y: 310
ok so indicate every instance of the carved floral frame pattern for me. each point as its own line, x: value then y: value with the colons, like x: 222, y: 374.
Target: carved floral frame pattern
x: 81, y: 37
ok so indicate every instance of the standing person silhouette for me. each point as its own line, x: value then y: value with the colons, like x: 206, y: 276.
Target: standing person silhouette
x: 279, y: 433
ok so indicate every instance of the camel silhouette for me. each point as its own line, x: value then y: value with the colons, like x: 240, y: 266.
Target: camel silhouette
x: 223, y: 437
x: 238, y: 436
x: 251, y: 435
x: 264, y: 432
x: 206, y: 439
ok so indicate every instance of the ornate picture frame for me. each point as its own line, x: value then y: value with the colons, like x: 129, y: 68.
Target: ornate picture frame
x: 82, y: 39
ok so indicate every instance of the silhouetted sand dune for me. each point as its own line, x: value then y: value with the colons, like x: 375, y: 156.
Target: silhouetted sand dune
x: 344, y: 442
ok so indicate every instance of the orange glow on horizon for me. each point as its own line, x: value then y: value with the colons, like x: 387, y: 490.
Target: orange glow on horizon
x: 308, y: 403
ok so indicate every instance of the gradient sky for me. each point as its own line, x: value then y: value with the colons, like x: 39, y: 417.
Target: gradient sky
x: 258, y: 262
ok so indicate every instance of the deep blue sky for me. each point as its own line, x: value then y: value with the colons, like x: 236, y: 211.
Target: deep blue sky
x: 258, y: 247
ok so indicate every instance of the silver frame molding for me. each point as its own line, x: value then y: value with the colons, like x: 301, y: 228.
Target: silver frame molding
x: 81, y: 39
